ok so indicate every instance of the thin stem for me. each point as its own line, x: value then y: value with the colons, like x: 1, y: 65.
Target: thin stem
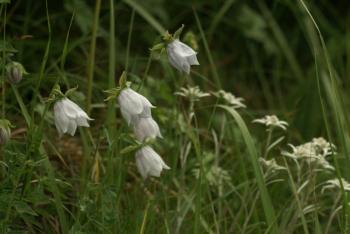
x: 148, y: 66
x: 268, y: 141
x: 3, y: 84
x: 91, y: 58
x: 111, y: 72
x: 129, y: 40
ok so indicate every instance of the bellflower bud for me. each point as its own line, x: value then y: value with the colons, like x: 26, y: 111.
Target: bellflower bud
x: 15, y: 72
x: 5, y: 131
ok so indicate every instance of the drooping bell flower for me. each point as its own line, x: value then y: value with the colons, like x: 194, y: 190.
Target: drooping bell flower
x: 68, y: 116
x: 149, y: 163
x: 133, y: 104
x: 181, y: 56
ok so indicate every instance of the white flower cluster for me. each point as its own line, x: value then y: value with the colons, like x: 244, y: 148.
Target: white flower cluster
x: 312, y: 152
x: 136, y: 110
x: 272, y: 121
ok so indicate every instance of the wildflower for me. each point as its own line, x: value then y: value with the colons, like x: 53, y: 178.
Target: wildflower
x: 146, y: 128
x: 68, y: 116
x: 271, y: 165
x: 192, y: 93
x: 335, y: 183
x: 181, y: 56
x: 211, y: 171
x: 315, y: 151
x: 133, y: 104
x: 149, y: 163
x: 272, y: 121
x: 5, y: 131
x: 322, y: 146
x: 15, y: 72
x: 235, y: 102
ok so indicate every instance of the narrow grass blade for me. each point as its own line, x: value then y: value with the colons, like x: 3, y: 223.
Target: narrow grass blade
x: 207, y: 50
x: 265, y: 197
x: 91, y: 58
x: 146, y: 15
x: 111, y: 71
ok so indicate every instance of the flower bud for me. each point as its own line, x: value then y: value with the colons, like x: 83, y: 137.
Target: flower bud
x: 5, y: 131
x: 15, y: 72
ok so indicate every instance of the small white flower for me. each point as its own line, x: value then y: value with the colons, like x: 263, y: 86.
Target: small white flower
x: 235, y: 102
x: 181, y: 56
x: 314, y: 151
x: 272, y: 121
x: 271, y: 165
x: 146, y: 128
x: 192, y: 93
x: 335, y: 183
x: 149, y: 163
x: 133, y: 104
x: 68, y: 116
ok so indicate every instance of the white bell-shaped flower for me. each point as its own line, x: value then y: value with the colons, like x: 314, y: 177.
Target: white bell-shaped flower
x: 68, y: 116
x: 146, y: 128
x: 181, y: 56
x: 133, y: 104
x: 149, y: 163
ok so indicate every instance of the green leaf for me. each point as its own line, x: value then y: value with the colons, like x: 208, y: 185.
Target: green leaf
x: 159, y: 46
x: 178, y: 32
x: 23, y: 208
x: 122, y: 80
x: 130, y: 149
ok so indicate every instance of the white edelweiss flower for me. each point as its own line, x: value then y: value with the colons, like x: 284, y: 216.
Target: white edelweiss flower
x: 181, y: 56
x: 323, y: 147
x: 146, y: 128
x: 235, y: 102
x: 133, y: 104
x: 335, y: 183
x: 312, y: 152
x: 192, y: 93
x: 271, y: 165
x: 149, y: 163
x: 68, y: 116
x: 272, y: 121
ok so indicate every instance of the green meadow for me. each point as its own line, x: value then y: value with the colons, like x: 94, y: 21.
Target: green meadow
x: 174, y: 117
